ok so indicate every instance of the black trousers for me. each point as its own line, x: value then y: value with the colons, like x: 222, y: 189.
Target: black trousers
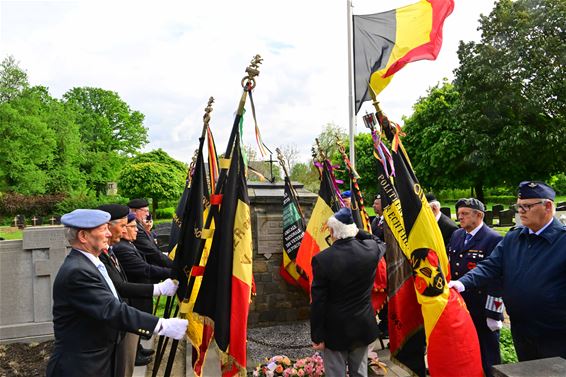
x: 537, y: 347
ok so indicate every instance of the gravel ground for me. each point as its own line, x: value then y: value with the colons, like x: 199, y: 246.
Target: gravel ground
x: 292, y: 339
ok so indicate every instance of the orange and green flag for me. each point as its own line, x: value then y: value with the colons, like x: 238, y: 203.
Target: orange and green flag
x: 317, y: 237
x: 451, y: 338
x: 293, y: 233
x: 385, y: 42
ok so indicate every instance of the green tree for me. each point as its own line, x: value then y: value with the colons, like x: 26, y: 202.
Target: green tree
x: 328, y: 136
x: 13, y: 79
x: 39, y: 152
x: 110, y: 131
x: 512, y: 109
x: 306, y: 174
x: 153, y: 175
x: 435, y: 140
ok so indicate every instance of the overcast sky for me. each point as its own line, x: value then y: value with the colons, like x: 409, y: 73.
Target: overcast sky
x: 166, y: 58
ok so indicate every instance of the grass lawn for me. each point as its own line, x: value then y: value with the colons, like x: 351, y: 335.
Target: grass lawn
x: 10, y: 233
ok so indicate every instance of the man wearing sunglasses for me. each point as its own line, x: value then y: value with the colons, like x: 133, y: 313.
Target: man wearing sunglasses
x: 531, y: 263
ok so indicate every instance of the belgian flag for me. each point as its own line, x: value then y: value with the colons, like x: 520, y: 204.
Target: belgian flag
x: 317, y: 236
x: 225, y: 292
x: 385, y: 42
x: 451, y: 338
x: 293, y: 233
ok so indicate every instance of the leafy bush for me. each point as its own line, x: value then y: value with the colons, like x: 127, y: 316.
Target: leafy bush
x: 558, y: 183
x: 12, y: 204
x: 86, y: 201
x: 508, y: 354
x: 165, y: 213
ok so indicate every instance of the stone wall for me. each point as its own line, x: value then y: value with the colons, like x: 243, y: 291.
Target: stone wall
x: 276, y: 301
x: 27, y: 271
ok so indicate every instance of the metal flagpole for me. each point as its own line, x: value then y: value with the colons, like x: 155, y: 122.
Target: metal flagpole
x: 352, y: 128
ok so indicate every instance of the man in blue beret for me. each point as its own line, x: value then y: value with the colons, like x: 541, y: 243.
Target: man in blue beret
x: 531, y: 263
x: 343, y: 323
x: 468, y: 246
x: 347, y: 198
x: 89, y: 316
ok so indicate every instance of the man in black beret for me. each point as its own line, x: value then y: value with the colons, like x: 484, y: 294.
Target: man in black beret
x: 145, y: 242
x: 468, y: 246
x: 342, y: 319
x: 446, y: 224
x: 531, y: 263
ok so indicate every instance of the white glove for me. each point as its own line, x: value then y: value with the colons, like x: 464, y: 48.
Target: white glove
x: 172, y: 327
x: 456, y: 285
x: 494, y: 325
x: 165, y: 288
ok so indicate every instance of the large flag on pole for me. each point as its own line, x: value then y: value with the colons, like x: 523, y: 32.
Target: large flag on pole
x: 225, y: 292
x: 293, y: 233
x: 451, y: 338
x: 385, y: 42
x: 317, y: 237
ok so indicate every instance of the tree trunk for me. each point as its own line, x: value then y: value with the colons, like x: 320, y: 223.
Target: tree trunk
x: 479, y: 192
x: 154, y: 208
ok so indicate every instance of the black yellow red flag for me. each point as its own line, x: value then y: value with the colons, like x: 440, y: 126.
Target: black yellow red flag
x: 452, y: 342
x: 225, y: 292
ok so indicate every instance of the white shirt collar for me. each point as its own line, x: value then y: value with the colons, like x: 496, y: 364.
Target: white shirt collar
x: 541, y: 229
x: 437, y: 216
x: 95, y: 260
x: 476, y: 229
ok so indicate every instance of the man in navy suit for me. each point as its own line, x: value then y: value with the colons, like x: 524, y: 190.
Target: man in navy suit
x: 89, y: 317
x: 470, y: 244
x: 343, y: 323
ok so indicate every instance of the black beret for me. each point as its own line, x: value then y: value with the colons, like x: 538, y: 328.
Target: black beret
x: 344, y: 215
x: 116, y: 211
x: 472, y: 203
x: 138, y: 203
x: 430, y: 197
x: 535, y: 190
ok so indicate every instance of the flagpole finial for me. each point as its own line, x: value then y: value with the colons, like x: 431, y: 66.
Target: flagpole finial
x: 207, y: 111
x: 252, y: 70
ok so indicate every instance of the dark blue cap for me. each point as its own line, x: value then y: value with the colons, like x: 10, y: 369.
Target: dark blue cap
x: 131, y: 217
x: 535, y: 190
x: 116, y: 211
x: 346, y: 194
x: 138, y: 203
x: 472, y: 203
x: 430, y: 197
x: 344, y: 216
x: 85, y: 218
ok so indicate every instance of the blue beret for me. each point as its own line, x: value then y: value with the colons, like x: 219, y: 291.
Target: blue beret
x: 472, y: 203
x: 430, y: 197
x: 85, y: 218
x: 116, y: 211
x: 138, y: 203
x: 535, y: 190
x: 131, y: 217
x: 344, y: 216
x: 346, y: 194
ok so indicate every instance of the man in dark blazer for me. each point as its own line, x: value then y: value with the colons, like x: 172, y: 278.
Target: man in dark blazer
x: 446, y: 224
x: 145, y: 242
x: 132, y: 292
x: 88, y: 313
x: 342, y: 318
x: 469, y: 245
x: 137, y: 270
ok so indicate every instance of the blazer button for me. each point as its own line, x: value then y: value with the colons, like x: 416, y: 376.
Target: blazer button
x: 457, y: 264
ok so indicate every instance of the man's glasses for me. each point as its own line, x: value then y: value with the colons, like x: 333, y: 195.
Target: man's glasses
x: 526, y: 207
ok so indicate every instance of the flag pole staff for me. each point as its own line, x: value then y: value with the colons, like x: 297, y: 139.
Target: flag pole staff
x: 352, y: 115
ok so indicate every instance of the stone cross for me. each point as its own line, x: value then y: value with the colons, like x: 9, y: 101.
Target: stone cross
x: 52, y: 220
x: 34, y: 220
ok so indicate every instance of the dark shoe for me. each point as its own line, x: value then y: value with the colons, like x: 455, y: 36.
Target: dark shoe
x: 142, y: 360
x: 145, y: 351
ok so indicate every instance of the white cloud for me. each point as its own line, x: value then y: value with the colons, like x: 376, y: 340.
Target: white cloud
x: 166, y: 59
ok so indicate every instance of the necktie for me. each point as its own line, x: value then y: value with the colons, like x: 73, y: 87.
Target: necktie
x: 468, y: 238
x: 102, y: 268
